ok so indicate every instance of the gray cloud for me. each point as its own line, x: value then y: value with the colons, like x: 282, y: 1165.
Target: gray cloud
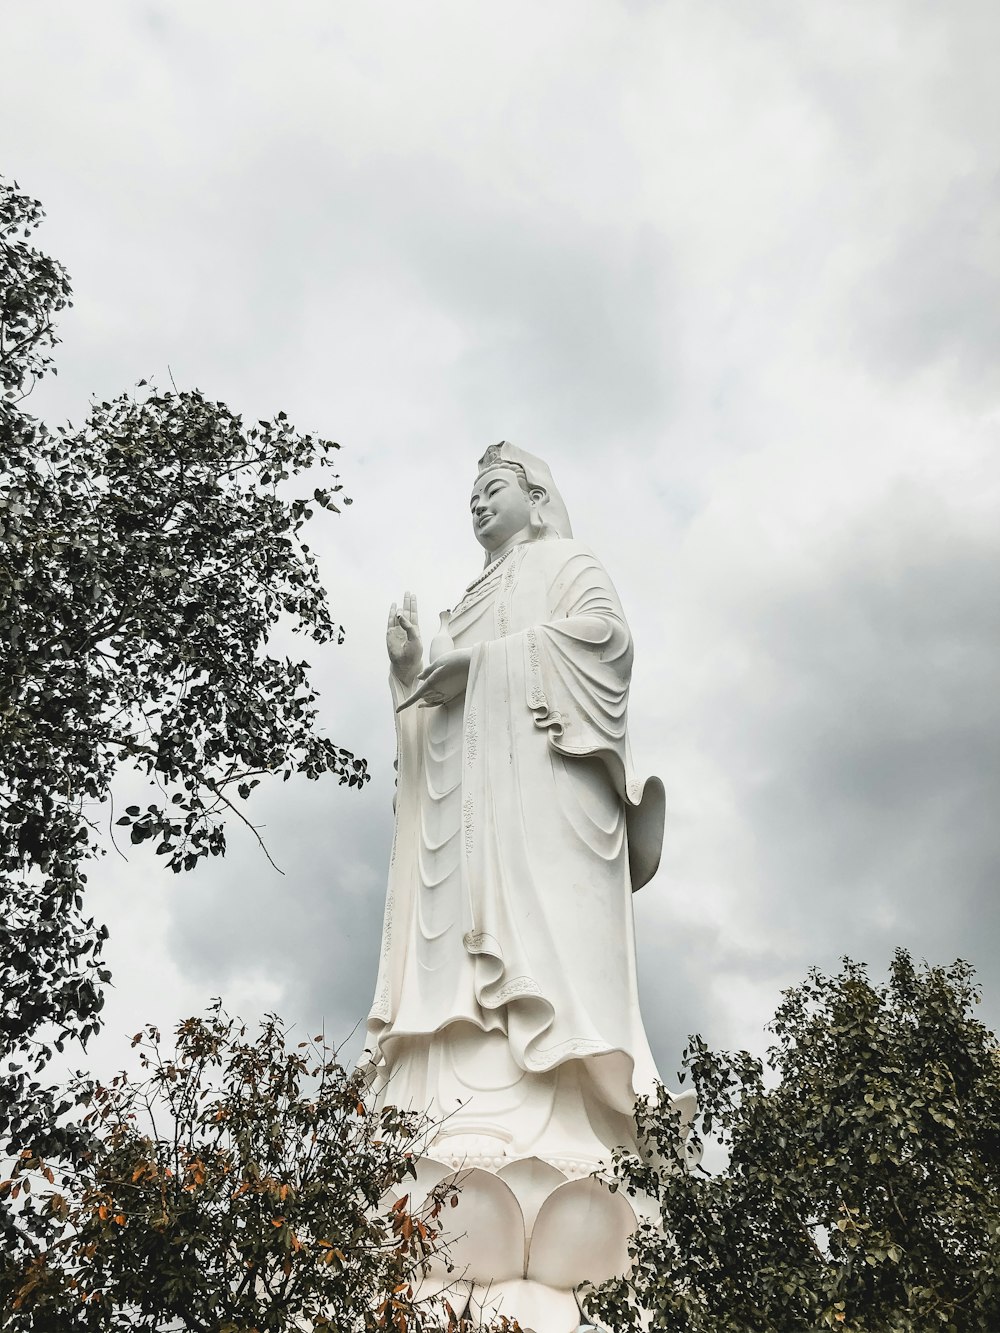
x: 937, y: 296
x: 862, y: 743
x: 313, y: 931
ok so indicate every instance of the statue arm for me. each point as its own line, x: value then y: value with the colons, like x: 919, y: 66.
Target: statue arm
x: 578, y: 665
x: 405, y: 656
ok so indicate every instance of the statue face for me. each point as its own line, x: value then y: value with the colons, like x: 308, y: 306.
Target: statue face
x: 500, y: 508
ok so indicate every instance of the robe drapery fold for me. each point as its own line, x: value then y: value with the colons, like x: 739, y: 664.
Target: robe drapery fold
x: 520, y: 831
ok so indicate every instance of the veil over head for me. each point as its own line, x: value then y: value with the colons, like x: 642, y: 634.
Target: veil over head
x: 552, y: 510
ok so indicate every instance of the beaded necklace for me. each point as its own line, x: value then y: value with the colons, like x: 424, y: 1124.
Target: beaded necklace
x: 491, y: 569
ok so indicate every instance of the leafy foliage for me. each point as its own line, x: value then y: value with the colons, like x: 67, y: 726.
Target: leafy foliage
x: 240, y: 1184
x: 145, y: 561
x: 33, y: 289
x: 862, y: 1190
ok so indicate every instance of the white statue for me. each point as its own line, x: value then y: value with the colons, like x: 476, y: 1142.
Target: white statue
x: 506, y: 1004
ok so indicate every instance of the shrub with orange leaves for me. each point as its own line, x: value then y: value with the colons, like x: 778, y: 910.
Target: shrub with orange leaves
x: 240, y: 1183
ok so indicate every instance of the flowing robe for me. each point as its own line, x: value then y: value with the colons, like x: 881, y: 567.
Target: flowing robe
x: 506, y: 998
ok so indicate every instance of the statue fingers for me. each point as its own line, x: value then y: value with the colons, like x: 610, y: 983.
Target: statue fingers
x: 429, y: 690
x: 414, y: 698
x: 392, y: 617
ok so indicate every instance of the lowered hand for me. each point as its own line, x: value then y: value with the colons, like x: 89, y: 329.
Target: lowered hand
x: 442, y: 682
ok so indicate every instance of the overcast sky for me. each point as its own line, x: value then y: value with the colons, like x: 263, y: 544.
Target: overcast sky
x: 733, y: 270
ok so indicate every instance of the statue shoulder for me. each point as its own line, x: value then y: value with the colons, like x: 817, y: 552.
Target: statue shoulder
x: 568, y: 566
x: 565, y: 557
x: 555, y: 552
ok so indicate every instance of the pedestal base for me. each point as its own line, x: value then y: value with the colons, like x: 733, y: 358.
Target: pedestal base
x: 524, y: 1237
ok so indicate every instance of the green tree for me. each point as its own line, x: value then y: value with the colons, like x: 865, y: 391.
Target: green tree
x: 862, y: 1188
x: 240, y: 1183
x: 145, y: 560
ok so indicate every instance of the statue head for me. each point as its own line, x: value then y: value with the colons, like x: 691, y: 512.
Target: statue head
x: 514, y: 492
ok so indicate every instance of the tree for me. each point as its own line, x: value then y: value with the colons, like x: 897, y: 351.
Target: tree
x: 862, y: 1189
x: 145, y: 560
x: 241, y: 1184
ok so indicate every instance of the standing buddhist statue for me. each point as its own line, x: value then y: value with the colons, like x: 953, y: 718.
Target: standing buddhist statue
x: 506, y: 1006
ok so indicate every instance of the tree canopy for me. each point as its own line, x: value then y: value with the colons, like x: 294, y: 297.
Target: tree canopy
x: 239, y: 1183
x: 862, y: 1186
x: 146, y: 559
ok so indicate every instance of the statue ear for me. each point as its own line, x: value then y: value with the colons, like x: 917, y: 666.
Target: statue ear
x: 536, y: 522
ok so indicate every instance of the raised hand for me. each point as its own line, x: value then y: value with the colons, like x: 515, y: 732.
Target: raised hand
x: 442, y: 682
x: 402, y: 639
